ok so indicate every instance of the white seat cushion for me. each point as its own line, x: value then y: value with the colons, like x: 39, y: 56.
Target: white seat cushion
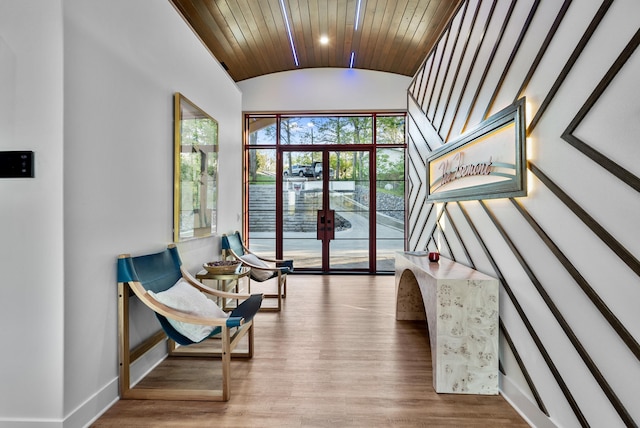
x: 184, y: 297
x: 258, y: 275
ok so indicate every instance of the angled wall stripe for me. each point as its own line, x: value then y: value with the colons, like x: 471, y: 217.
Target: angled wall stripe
x: 532, y: 332
x: 418, y: 84
x: 471, y: 67
x: 615, y: 323
x: 419, y: 228
x: 566, y: 328
x: 430, y: 54
x: 424, y: 224
x: 523, y: 369
x: 444, y: 235
x: 624, y: 254
x: 438, y: 71
x: 421, y: 134
x: 602, y: 11
x: 512, y: 57
x: 428, y: 79
x: 543, y: 49
x: 458, y: 236
x: 457, y: 72
x: 487, y: 66
x: 624, y: 175
x: 450, y: 60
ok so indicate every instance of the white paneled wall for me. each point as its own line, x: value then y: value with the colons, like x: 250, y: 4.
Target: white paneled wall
x: 567, y: 253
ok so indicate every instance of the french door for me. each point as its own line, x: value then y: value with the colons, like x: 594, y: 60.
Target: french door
x: 325, y: 211
x: 325, y: 191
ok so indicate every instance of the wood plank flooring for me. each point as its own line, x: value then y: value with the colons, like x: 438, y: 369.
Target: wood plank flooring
x: 334, y: 357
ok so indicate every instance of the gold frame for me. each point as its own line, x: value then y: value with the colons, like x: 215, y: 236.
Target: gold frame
x: 195, y: 179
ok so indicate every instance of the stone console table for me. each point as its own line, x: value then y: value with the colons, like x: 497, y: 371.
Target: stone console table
x: 460, y: 306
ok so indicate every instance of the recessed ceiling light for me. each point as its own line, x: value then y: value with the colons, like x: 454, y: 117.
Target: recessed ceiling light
x: 324, y: 40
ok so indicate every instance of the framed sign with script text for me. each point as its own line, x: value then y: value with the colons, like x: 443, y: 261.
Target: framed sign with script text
x: 487, y: 162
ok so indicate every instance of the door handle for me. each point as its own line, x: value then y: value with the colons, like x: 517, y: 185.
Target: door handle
x: 320, y: 225
x: 324, y: 225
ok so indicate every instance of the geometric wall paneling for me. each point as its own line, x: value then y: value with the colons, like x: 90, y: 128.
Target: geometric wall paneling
x: 487, y: 57
x: 447, y: 240
x: 518, y: 41
x: 567, y: 256
x: 573, y: 57
x: 608, y: 287
x: 420, y: 235
x: 477, y: 38
x: 453, y: 34
x: 467, y: 18
x: 602, y: 307
x: 533, y: 334
x: 455, y: 228
x: 504, y: 334
x: 568, y: 331
x: 558, y: 15
x: 625, y: 255
x: 620, y: 158
x: 626, y: 118
x: 439, y: 238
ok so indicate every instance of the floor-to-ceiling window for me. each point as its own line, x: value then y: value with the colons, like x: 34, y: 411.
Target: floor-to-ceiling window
x: 326, y: 190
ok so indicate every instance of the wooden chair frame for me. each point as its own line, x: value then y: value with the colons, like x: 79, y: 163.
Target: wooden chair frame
x: 279, y: 271
x: 231, y: 331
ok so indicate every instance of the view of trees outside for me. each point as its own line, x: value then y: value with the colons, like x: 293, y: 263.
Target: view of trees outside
x: 385, y: 134
x: 198, y: 173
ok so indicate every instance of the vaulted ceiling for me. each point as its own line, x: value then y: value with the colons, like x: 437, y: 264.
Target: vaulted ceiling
x: 250, y: 37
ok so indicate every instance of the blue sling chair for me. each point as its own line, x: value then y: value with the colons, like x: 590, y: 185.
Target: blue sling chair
x: 262, y: 269
x: 157, y: 277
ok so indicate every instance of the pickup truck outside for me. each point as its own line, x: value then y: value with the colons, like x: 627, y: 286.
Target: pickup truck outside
x: 313, y: 170
x: 317, y: 170
x: 300, y: 171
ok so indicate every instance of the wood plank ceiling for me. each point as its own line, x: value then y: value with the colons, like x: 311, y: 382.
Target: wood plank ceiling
x: 249, y: 37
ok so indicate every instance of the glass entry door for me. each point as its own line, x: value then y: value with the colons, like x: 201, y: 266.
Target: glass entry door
x: 325, y: 210
x: 348, y: 196
x: 302, y: 198
x: 325, y: 191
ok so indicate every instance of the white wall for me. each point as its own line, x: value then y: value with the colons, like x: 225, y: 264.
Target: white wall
x: 31, y: 213
x: 123, y: 62
x: 90, y: 84
x: 325, y: 89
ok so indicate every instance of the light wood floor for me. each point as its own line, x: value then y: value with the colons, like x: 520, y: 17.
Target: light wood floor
x: 334, y: 357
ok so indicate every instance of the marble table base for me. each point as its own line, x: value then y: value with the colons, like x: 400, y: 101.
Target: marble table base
x: 460, y: 306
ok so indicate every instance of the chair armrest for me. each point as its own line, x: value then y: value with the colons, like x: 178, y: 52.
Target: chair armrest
x: 288, y: 264
x: 212, y: 291
x: 267, y: 259
x: 235, y: 321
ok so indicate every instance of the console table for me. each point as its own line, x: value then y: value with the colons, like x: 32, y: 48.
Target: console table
x: 460, y: 306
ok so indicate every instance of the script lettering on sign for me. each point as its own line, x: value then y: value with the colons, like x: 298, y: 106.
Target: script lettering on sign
x: 462, y: 170
x: 486, y: 162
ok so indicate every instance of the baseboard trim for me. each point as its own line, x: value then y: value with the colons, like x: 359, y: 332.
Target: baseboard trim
x: 523, y: 405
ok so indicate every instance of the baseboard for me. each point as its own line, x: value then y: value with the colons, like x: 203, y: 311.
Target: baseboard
x: 89, y: 411
x: 523, y: 405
